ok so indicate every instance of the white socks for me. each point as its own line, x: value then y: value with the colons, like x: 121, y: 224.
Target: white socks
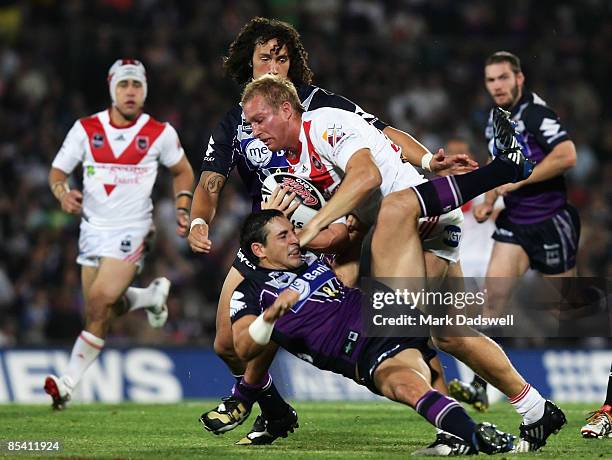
x: 139, y: 297
x: 529, y: 403
x: 85, y: 351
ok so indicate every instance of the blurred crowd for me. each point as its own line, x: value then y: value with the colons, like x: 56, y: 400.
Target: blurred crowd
x: 417, y: 64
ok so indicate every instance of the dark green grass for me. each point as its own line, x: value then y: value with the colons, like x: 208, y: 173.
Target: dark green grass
x: 328, y: 430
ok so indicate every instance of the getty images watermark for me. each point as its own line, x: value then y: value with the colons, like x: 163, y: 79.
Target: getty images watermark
x: 503, y: 307
x: 426, y: 301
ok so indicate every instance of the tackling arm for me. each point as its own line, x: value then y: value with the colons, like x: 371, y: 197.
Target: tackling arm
x: 557, y: 162
x: 252, y: 333
x: 331, y: 239
x: 361, y: 178
x: 417, y: 154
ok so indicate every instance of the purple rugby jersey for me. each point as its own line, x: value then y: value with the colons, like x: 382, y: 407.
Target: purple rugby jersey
x: 540, y: 130
x: 323, y: 328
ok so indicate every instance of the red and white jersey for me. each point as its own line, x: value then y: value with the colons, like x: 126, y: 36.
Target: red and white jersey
x: 329, y: 137
x: 119, y: 165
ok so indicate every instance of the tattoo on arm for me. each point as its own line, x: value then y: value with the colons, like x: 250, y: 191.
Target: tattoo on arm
x: 212, y: 182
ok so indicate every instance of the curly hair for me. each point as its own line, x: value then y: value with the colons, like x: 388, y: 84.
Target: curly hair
x: 238, y: 63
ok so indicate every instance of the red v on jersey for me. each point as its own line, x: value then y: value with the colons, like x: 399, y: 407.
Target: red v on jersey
x: 319, y: 175
x: 131, y: 155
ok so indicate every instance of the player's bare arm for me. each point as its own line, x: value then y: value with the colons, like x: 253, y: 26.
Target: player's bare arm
x: 182, y: 183
x: 249, y: 328
x: 204, y: 207
x: 557, y: 162
x: 362, y: 177
x: 70, y: 199
x: 417, y: 154
x: 330, y: 240
x: 484, y: 210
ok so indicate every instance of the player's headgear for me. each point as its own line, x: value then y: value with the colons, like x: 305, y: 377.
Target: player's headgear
x: 126, y: 69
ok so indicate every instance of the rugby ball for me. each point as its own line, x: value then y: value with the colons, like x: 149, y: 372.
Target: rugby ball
x: 310, y: 198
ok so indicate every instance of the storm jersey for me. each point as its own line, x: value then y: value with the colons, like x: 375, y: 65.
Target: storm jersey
x: 540, y: 131
x: 232, y: 143
x: 119, y: 165
x: 323, y: 328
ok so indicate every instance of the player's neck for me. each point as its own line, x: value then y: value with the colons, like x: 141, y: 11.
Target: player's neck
x: 268, y: 266
x: 118, y: 120
x: 294, y: 146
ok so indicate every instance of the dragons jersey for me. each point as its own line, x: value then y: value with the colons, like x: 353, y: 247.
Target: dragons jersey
x: 323, y: 328
x: 330, y: 137
x: 540, y: 131
x: 232, y: 143
x: 119, y: 165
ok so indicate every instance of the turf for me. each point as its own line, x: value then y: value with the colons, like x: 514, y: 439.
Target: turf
x: 328, y: 430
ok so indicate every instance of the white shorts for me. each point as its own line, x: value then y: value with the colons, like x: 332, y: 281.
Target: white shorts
x: 441, y: 235
x: 124, y: 243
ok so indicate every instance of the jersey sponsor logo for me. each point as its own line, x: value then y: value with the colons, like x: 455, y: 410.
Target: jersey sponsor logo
x: 244, y: 260
x: 126, y: 244
x: 142, y: 143
x: 97, y: 141
x: 280, y: 280
x: 257, y: 153
x: 452, y: 235
x: 301, y: 287
x: 350, y: 343
x: 333, y: 134
x: 236, y: 303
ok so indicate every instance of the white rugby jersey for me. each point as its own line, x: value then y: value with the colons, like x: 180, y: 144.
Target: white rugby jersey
x: 328, y: 139
x: 119, y: 165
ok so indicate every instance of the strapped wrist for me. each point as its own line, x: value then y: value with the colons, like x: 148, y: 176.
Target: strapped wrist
x: 59, y: 189
x: 197, y: 221
x: 186, y: 193
x: 260, y: 330
x: 426, y: 161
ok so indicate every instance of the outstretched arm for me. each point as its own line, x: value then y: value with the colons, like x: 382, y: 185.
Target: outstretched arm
x: 417, y: 154
x: 203, y: 209
x: 252, y: 333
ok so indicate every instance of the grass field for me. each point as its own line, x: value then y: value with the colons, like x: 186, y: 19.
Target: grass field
x: 328, y: 430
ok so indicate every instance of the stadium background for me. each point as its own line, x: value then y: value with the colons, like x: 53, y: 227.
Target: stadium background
x: 415, y: 63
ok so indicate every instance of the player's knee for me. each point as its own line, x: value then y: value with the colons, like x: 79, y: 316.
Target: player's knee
x: 395, y: 211
x: 224, y: 347
x: 101, y: 299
